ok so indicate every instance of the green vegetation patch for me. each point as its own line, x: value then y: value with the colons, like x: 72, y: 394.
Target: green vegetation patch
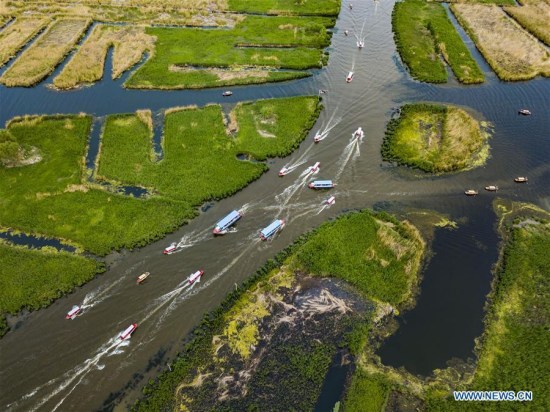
x: 377, y: 254
x: 302, y: 7
x: 249, y: 53
x: 423, y: 31
x: 32, y: 279
x: 200, y: 158
x: 367, y: 392
x: 436, y: 139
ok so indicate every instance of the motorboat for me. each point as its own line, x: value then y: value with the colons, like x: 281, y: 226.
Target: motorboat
x: 358, y: 134
x: 330, y: 201
x: 73, y: 313
x: 127, y: 333
x: 170, y: 249
x: 321, y: 184
x: 227, y: 93
x: 141, y: 278
x: 491, y: 188
x: 284, y: 171
x: 471, y: 192
x: 360, y: 44
x: 314, y: 168
x: 524, y: 112
x: 226, y: 223
x: 349, y: 78
x: 520, y: 179
x: 274, y: 227
x: 318, y: 137
x: 195, y: 277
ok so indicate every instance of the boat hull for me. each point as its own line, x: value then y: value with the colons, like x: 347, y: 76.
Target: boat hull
x: 127, y: 333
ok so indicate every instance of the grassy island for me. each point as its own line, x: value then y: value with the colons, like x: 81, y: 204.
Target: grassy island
x: 425, y: 37
x: 271, y: 342
x: 435, y: 139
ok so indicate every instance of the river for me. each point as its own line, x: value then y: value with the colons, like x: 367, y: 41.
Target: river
x: 49, y: 363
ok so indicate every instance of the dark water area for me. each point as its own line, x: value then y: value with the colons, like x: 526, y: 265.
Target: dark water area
x: 49, y: 363
x: 34, y: 242
x: 335, y: 383
x: 448, y: 315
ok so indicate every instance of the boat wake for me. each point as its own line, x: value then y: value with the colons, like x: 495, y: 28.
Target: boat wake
x: 351, y: 152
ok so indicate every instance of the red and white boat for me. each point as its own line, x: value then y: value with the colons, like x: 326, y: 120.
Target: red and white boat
x: 284, y: 171
x: 314, y: 168
x: 171, y: 249
x: 195, y: 277
x: 317, y: 138
x: 349, y: 78
x: 358, y: 134
x: 127, y: 333
x: 73, y: 313
x: 330, y: 201
x: 141, y: 278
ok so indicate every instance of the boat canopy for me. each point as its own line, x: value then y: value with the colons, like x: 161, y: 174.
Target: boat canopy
x: 228, y: 220
x: 271, y: 229
x: 322, y: 183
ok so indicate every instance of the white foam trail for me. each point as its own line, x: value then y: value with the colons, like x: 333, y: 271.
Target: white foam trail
x: 192, y: 238
x: 350, y: 151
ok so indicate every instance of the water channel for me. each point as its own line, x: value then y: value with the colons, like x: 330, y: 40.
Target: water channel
x: 49, y: 363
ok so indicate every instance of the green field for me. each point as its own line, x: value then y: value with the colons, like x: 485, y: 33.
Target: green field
x: 423, y: 32
x: 302, y: 7
x: 249, y: 53
x: 289, y: 369
x: 435, y: 139
x: 200, y: 160
x: 32, y: 279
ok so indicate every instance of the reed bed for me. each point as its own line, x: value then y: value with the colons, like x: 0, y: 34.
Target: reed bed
x: 32, y: 279
x: 17, y: 34
x: 87, y: 64
x: 534, y: 16
x: 423, y: 32
x: 319, y: 7
x: 45, y: 54
x: 435, y: 139
x: 513, y: 53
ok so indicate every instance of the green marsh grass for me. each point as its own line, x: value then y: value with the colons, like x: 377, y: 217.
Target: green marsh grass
x: 435, y: 139
x: 301, y: 7
x: 32, y: 279
x: 423, y: 31
x: 183, y: 56
x: 367, y: 392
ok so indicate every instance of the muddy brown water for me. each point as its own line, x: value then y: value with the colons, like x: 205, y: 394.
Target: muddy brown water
x: 49, y: 363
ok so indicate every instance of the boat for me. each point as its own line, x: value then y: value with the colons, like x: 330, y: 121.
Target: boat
x: 317, y: 137
x: 321, y: 184
x: 524, y: 112
x: 141, y: 278
x: 361, y: 44
x: 195, y: 277
x: 226, y: 223
x: 73, y: 313
x: 359, y: 133
x: 284, y: 171
x: 471, y: 192
x: 349, y: 78
x: 227, y: 93
x: 346, y: 32
x: 330, y: 201
x: 520, y: 179
x: 170, y: 249
x: 127, y: 333
x: 314, y: 168
x: 491, y: 188
x: 275, y: 227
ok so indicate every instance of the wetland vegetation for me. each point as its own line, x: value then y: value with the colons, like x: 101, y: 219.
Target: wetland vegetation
x: 425, y: 37
x: 248, y: 354
x: 17, y: 34
x: 533, y: 15
x: 435, y: 139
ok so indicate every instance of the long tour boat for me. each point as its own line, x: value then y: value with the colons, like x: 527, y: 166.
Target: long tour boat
x: 321, y: 184
x: 171, y: 249
x: 73, y: 313
x: 141, y: 278
x: 127, y: 333
x: 349, y: 78
x: 226, y: 223
x: 271, y: 230
x: 195, y: 277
